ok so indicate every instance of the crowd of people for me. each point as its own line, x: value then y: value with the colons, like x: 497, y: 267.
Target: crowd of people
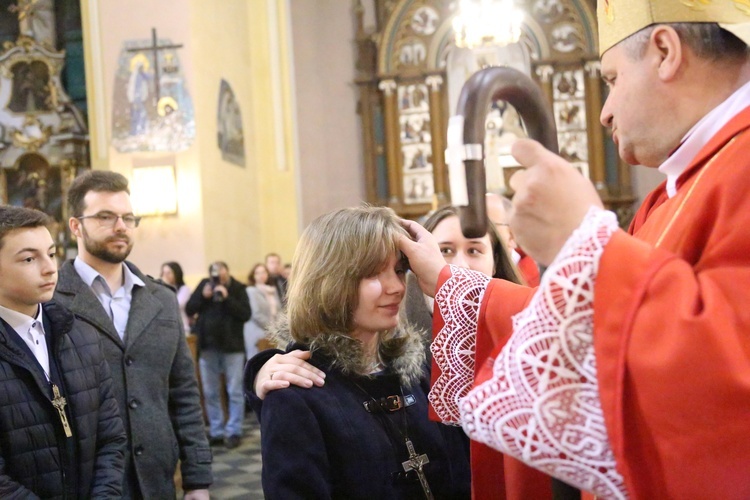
x: 412, y: 361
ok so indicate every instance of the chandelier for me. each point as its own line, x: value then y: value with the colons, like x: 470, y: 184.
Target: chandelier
x: 480, y: 23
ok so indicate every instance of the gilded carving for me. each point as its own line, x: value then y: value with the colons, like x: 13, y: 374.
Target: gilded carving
x: 743, y: 6
x: 32, y: 135
x: 547, y: 11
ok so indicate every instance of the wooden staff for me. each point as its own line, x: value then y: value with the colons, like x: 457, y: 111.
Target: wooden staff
x: 467, y: 130
x: 466, y: 133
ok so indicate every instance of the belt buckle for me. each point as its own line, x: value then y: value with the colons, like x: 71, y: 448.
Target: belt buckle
x: 393, y: 403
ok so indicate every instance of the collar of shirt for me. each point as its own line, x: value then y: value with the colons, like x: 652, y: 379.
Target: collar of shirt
x: 20, y: 322
x: 31, y: 331
x: 116, y: 303
x: 701, y: 133
x: 89, y: 275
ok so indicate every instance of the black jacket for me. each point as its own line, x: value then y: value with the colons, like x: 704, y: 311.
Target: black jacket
x: 32, y: 440
x: 220, y: 325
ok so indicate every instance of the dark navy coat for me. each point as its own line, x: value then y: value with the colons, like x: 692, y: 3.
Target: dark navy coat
x: 322, y: 443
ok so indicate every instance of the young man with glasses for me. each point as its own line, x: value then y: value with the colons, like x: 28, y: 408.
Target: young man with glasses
x: 139, y: 323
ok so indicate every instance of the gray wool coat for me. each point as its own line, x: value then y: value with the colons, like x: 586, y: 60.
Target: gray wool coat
x: 154, y: 382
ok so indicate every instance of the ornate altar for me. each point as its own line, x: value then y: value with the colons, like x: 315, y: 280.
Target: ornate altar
x: 43, y: 136
x: 409, y: 76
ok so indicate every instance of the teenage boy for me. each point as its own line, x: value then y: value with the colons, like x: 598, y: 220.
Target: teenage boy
x: 60, y: 431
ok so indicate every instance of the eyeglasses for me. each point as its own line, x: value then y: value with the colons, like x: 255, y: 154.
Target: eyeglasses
x: 108, y: 219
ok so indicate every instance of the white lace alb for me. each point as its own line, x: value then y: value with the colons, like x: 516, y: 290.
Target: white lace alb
x: 542, y: 403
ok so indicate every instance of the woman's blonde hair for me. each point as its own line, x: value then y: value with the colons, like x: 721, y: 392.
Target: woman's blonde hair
x: 336, y: 252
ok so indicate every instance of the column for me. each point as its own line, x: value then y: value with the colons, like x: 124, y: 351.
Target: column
x: 437, y: 132
x: 390, y: 114
x: 366, y: 93
x: 544, y: 73
x: 597, y: 161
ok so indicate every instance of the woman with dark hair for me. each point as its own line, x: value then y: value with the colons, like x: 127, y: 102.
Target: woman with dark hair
x: 171, y: 274
x: 366, y: 432
x: 487, y: 255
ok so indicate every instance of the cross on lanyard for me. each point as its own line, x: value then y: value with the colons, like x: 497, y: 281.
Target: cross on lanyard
x: 59, y: 403
x: 415, y: 463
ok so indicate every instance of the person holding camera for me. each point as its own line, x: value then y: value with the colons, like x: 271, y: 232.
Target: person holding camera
x: 223, y: 308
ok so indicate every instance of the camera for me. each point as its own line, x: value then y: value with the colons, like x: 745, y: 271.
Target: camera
x: 214, y: 280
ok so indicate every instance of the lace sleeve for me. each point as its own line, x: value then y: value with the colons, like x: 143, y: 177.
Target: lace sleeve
x: 542, y: 403
x: 453, y: 348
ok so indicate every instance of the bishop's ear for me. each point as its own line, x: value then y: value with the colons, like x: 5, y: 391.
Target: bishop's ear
x: 667, y: 45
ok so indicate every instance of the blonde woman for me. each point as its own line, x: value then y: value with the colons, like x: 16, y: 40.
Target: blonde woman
x: 265, y: 304
x: 365, y: 433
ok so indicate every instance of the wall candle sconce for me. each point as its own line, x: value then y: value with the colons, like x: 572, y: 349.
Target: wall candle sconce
x: 154, y: 190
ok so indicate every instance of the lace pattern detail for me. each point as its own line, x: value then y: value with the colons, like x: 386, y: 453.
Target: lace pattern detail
x: 542, y: 403
x: 454, y: 346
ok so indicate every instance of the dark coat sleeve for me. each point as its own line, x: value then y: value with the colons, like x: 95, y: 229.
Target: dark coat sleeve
x: 295, y: 463
x: 197, y: 302
x: 252, y: 368
x: 187, y: 420
x: 237, y: 302
x: 9, y: 488
x: 109, y: 467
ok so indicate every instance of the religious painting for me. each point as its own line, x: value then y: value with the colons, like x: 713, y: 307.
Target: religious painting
x: 574, y: 147
x: 412, y: 52
x: 425, y: 21
x: 31, y: 88
x: 418, y: 188
x: 36, y: 19
x: 503, y: 126
x: 417, y: 158
x: 547, y: 11
x: 152, y: 108
x: 33, y: 184
x: 416, y: 143
x: 229, y: 125
x: 566, y: 38
x: 569, y: 107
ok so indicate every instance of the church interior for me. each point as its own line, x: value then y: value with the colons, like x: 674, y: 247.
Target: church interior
x: 238, y: 122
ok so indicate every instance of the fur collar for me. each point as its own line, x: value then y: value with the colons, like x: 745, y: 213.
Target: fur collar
x: 402, y: 351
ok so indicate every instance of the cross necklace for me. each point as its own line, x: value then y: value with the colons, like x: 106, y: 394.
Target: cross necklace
x: 59, y: 403
x: 415, y: 462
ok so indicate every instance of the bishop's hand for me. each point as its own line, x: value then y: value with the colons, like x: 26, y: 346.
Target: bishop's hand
x: 423, y: 252
x: 551, y: 199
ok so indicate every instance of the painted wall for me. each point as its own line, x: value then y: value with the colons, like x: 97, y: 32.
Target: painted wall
x: 107, y: 23
x: 226, y: 212
x: 330, y: 141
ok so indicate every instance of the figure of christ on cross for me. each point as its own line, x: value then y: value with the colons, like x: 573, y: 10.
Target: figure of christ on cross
x: 59, y: 403
x: 416, y: 463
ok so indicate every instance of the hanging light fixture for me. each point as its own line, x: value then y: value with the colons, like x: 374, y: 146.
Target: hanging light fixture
x: 481, y: 23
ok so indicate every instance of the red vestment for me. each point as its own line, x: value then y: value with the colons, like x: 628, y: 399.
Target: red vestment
x: 671, y: 335
x: 529, y: 269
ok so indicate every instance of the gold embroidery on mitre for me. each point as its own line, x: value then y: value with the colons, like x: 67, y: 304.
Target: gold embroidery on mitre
x: 609, y: 11
x: 696, y: 4
x: 743, y: 6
